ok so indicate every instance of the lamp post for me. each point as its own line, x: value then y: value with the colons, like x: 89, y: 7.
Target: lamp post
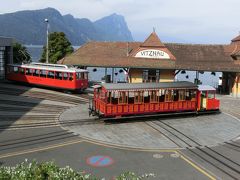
x: 46, y: 20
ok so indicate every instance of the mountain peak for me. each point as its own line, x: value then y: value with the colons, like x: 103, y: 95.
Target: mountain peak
x: 28, y: 27
x: 118, y: 32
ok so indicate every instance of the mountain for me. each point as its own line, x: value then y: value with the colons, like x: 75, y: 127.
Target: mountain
x: 112, y: 26
x: 28, y: 27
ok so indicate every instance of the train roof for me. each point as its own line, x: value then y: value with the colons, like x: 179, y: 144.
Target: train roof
x: 142, y: 86
x: 50, y: 67
x: 206, y: 88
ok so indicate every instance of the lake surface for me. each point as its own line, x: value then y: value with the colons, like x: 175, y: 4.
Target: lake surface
x: 98, y: 73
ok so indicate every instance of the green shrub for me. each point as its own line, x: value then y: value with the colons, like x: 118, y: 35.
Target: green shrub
x: 41, y: 171
x: 50, y: 171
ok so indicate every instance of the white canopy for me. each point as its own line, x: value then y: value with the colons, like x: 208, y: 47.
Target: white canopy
x: 206, y: 88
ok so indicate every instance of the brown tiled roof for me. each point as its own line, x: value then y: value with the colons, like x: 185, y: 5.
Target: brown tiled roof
x: 236, y: 39
x: 114, y: 54
x: 188, y: 57
x: 203, y: 57
x: 234, y: 47
x: 152, y: 41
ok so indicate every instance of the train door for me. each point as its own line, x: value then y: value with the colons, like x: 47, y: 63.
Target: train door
x: 203, y: 100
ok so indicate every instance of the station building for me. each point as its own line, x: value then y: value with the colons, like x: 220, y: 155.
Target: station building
x: 6, y: 54
x: 155, y: 61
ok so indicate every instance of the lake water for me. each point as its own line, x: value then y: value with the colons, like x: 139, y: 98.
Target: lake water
x: 98, y: 73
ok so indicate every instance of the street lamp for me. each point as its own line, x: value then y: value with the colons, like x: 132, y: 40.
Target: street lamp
x: 46, y: 20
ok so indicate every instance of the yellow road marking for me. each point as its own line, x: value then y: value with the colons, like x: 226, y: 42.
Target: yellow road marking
x: 129, y: 148
x: 22, y: 128
x: 39, y: 149
x: 124, y: 148
x: 197, y: 167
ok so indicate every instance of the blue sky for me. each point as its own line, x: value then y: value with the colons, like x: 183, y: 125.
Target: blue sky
x: 191, y: 21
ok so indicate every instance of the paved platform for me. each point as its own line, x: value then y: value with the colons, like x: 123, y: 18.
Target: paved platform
x: 206, y: 130
x: 39, y: 137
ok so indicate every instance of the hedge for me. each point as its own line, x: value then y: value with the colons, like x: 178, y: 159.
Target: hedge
x: 50, y: 171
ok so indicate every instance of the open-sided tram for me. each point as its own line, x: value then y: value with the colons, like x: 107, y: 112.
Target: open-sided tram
x: 119, y: 100
x: 49, y: 75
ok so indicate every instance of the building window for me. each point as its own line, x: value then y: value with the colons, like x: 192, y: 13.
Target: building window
x: 145, y: 75
x: 151, y: 75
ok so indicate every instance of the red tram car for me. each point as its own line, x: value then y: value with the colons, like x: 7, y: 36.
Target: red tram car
x: 119, y: 100
x: 49, y: 75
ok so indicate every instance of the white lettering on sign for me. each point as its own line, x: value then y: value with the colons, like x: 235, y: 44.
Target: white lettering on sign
x: 152, y: 53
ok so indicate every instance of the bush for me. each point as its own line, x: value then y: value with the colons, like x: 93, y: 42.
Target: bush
x: 50, y: 171
x: 41, y: 171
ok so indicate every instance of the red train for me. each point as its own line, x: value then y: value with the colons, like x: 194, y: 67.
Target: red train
x: 119, y: 100
x: 49, y: 75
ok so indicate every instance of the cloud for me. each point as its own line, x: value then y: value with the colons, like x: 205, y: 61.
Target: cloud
x: 190, y: 20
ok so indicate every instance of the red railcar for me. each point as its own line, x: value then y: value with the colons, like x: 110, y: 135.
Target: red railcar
x: 49, y: 75
x: 119, y: 100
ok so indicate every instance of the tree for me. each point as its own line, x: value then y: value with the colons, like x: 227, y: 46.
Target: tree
x: 20, y: 54
x: 59, y: 47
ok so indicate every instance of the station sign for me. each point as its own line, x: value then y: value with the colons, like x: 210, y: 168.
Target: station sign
x: 153, y: 54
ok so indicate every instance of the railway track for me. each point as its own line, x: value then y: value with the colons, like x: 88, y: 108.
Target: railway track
x: 17, y: 112
x: 216, y: 159
x: 39, y: 139
x: 57, y: 96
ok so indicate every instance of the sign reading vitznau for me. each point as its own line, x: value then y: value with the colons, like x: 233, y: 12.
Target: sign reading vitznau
x: 152, y: 53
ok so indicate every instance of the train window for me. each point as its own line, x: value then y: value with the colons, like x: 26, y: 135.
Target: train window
x: 78, y: 76
x: 85, y: 75
x: 154, y: 96
x: 122, y: 97
x: 175, y: 95
x: 50, y: 74
x: 65, y: 76
x: 138, y: 97
x: 36, y: 72
x: 58, y: 75
x: 70, y: 76
x: 22, y: 70
x: 114, y: 98
x: 32, y: 71
x: 109, y: 97
x: 146, y: 96
x: 28, y: 72
x: 15, y: 69
x: 130, y: 97
x: 43, y: 73
x: 182, y: 95
x: 168, y: 95
x: 211, y: 95
x: 161, y: 94
x: 191, y: 95
x: 82, y: 75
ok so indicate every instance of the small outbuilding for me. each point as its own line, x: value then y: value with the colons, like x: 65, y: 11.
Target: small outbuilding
x: 6, y: 54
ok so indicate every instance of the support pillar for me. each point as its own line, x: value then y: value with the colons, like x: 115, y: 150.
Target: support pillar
x: 105, y: 75
x: 196, y: 81
x: 112, y: 75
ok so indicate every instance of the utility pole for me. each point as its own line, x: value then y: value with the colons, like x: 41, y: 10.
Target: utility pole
x: 46, y: 20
